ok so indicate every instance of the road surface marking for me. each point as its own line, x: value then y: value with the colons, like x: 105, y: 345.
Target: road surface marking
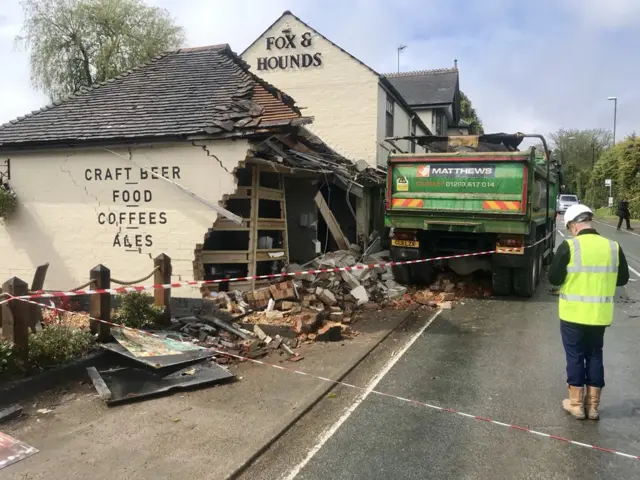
x: 634, y: 271
x: 611, y: 226
x: 561, y: 234
x: 370, y: 389
x: 327, y: 434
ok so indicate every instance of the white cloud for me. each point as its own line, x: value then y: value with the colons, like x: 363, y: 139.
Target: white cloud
x: 606, y: 13
x: 526, y: 66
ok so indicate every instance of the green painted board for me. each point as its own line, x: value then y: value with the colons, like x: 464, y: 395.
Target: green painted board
x: 458, y: 186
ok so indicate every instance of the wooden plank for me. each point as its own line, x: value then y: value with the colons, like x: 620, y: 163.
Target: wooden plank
x: 253, y: 235
x: 270, y: 194
x: 272, y: 224
x: 285, y: 235
x: 263, y: 255
x: 334, y: 227
x: 224, y: 224
x: 39, y: 277
x: 226, y: 256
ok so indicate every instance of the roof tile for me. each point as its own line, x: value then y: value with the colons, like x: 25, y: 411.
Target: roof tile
x: 187, y: 91
x: 426, y: 87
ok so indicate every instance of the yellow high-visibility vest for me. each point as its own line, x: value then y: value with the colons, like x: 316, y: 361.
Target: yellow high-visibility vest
x: 588, y: 292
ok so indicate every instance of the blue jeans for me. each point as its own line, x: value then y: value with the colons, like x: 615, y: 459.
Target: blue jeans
x: 583, y: 349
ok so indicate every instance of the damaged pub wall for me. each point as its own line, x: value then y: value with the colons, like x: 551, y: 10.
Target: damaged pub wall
x: 82, y: 207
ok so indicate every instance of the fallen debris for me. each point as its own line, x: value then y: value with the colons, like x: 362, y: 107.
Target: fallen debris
x: 10, y: 412
x: 120, y: 385
x: 13, y: 450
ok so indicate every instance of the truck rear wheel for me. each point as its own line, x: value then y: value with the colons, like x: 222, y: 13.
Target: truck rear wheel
x: 525, y: 279
x: 423, y: 273
x: 501, y: 280
x: 540, y: 260
x: 402, y: 274
x: 552, y: 245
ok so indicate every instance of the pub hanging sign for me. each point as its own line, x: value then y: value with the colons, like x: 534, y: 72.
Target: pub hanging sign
x: 290, y: 45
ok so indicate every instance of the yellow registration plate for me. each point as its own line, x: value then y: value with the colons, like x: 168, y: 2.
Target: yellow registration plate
x: 510, y: 250
x: 405, y: 243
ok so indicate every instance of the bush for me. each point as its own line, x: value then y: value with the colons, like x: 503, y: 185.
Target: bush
x: 6, y: 357
x: 8, y: 201
x: 604, y: 212
x: 137, y: 310
x: 57, y: 344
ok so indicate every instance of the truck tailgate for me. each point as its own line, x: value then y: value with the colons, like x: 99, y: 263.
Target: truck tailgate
x: 448, y: 185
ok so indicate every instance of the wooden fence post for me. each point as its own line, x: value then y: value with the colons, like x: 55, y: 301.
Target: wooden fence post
x: 15, y: 317
x: 100, y: 304
x: 162, y: 276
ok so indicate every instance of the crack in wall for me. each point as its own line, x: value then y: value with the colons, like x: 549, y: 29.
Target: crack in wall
x: 86, y: 190
x: 84, y: 187
x: 209, y: 154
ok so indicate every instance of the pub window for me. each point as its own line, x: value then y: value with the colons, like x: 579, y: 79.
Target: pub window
x: 443, y: 124
x: 389, y: 117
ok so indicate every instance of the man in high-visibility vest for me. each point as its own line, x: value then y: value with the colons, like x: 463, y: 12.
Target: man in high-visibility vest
x: 588, y: 268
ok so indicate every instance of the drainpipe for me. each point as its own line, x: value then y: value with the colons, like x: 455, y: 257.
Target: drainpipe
x: 411, y: 118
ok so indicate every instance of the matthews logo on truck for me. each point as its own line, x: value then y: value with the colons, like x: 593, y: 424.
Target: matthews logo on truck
x: 452, y: 170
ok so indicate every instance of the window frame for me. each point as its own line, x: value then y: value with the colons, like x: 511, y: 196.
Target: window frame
x: 389, y: 114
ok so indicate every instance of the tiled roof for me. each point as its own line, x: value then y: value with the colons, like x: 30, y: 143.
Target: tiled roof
x: 426, y: 87
x: 183, y: 92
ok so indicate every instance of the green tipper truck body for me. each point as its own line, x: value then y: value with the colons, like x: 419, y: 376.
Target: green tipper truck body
x: 455, y: 202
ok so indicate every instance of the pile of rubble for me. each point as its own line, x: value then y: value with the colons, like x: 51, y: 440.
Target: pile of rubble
x: 359, y: 285
x: 316, y: 306
x: 233, y: 336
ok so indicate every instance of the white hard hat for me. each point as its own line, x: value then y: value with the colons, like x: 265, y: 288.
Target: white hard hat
x: 574, y: 211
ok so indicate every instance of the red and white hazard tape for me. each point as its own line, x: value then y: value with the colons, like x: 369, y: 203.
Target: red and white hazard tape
x: 141, y: 288
x: 438, y: 408
x: 383, y: 394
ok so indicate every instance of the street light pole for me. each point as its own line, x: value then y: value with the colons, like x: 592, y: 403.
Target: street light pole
x: 615, y: 116
x: 400, y: 48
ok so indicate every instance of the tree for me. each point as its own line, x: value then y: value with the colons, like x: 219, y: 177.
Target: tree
x: 581, y: 148
x: 77, y: 43
x: 621, y: 164
x: 579, y: 151
x: 469, y: 115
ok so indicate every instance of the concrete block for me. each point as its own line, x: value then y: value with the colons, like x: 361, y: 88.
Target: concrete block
x: 360, y: 295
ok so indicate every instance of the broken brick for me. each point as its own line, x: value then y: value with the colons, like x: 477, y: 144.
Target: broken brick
x: 330, y: 333
x: 259, y: 298
x: 306, y: 323
x: 326, y: 297
x: 283, y: 291
x: 448, y: 297
x: 286, y: 305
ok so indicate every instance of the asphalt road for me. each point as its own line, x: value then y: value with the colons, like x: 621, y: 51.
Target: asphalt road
x: 501, y: 359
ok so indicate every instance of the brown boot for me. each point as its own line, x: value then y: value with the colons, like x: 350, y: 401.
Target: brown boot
x: 592, y: 402
x: 575, y: 403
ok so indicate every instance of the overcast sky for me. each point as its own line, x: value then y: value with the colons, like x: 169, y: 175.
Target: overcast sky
x: 525, y: 66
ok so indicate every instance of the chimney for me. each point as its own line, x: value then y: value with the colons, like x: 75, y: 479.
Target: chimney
x: 455, y: 63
